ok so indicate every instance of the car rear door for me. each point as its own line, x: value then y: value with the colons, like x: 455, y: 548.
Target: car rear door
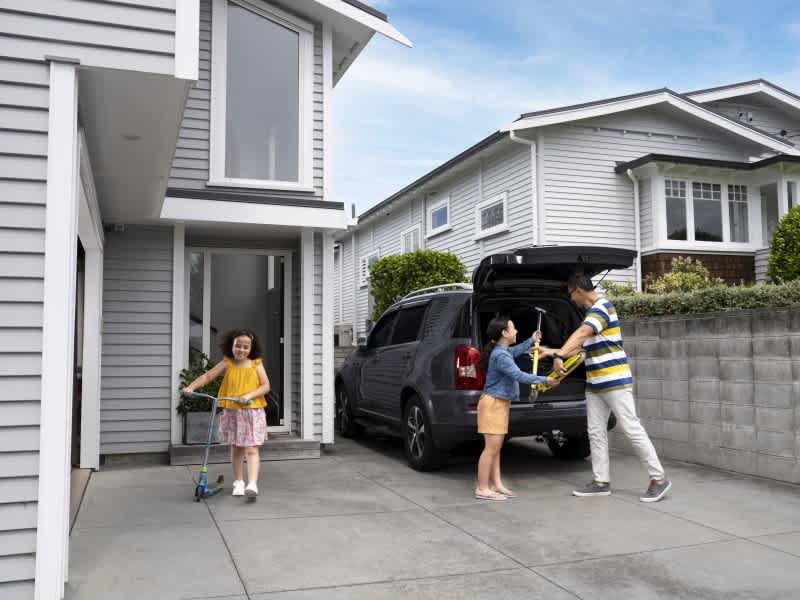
x: 371, y: 378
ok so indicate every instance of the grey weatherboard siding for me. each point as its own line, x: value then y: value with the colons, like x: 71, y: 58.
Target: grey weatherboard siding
x: 136, y: 395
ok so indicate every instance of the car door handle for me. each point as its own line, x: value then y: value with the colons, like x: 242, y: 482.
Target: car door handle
x: 405, y: 355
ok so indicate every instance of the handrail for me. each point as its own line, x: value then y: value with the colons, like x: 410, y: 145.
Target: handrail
x: 445, y: 287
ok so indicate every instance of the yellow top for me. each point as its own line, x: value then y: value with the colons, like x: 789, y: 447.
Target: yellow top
x: 239, y: 381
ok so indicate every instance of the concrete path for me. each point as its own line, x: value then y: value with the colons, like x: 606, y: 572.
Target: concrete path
x: 359, y: 524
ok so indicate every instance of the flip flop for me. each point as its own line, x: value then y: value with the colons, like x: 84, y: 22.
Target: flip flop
x: 507, y: 493
x: 493, y: 496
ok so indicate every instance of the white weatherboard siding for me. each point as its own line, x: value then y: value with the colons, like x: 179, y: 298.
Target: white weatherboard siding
x: 23, y: 181
x: 136, y: 391
x: 762, y: 263
x: 766, y: 118
x: 646, y: 213
x: 190, y: 165
x: 117, y: 35
x: 586, y: 202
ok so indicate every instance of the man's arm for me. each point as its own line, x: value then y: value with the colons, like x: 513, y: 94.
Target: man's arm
x: 575, y: 342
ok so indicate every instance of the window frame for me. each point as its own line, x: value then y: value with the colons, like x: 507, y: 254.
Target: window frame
x: 364, y: 281
x: 432, y: 231
x: 217, y: 118
x: 729, y: 203
x: 723, y: 214
x: 389, y: 316
x: 495, y: 229
x: 418, y: 335
x: 403, y: 235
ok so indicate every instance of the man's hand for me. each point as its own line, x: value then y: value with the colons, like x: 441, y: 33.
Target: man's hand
x: 558, y: 365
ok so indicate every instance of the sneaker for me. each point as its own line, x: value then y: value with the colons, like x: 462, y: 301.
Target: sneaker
x: 251, y: 490
x: 656, y: 490
x: 595, y: 488
x: 238, y: 488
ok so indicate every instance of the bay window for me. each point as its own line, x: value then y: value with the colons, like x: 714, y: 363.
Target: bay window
x: 707, y: 205
x: 737, y: 213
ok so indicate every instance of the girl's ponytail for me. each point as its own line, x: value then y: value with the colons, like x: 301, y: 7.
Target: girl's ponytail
x: 493, y: 332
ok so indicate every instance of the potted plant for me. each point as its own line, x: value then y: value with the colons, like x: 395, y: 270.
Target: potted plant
x: 196, y: 412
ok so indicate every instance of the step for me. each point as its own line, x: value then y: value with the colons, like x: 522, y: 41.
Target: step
x: 278, y: 447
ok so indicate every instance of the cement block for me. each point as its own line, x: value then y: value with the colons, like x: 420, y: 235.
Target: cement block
x: 741, y: 461
x: 794, y: 346
x: 775, y: 419
x: 775, y: 395
x: 778, y: 467
x: 648, y: 388
x: 702, y: 348
x: 703, y: 368
x: 648, y: 407
x: 771, y: 347
x: 649, y: 368
x: 677, y: 431
x: 673, y: 349
x: 739, y: 437
x: 675, y: 390
x: 703, y: 327
x: 704, y: 391
x: 778, y: 443
x: 648, y: 328
x: 705, y: 454
x: 739, y: 415
x: 771, y: 322
x: 653, y: 426
x: 645, y: 348
x: 707, y: 413
x: 675, y: 410
x: 737, y: 392
x: 674, y: 450
x: 794, y: 320
x: 673, y: 329
x: 736, y: 324
x: 710, y: 435
x: 675, y: 369
x: 736, y: 347
x: 736, y: 369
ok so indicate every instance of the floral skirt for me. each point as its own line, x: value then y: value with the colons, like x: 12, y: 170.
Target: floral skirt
x: 243, y: 426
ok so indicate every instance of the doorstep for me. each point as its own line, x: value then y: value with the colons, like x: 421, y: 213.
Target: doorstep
x: 277, y: 447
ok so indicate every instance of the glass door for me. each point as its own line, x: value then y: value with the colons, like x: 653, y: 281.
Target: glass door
x: 230, y: 289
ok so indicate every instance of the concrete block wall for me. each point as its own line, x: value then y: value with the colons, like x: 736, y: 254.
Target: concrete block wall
x: 720, y: 389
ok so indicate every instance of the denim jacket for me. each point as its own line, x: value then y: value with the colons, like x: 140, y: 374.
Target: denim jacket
x: 504, y: 376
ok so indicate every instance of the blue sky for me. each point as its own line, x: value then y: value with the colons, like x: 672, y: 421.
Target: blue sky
x: 476, y: 66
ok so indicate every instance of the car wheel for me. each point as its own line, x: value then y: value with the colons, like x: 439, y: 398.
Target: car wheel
x: 421, y: 449
x: 574, y: 447
x: 343, y: 417
x: 612, y: 421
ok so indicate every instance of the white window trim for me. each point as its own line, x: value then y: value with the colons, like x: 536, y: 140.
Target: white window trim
x: 502, y: 227
x: 364, y: 281
x: 219, y: 55
x: 432, y: 231
x: 405, y: 232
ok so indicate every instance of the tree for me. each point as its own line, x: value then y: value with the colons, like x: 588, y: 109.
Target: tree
x: 784, y: 251
x: 392, y: 277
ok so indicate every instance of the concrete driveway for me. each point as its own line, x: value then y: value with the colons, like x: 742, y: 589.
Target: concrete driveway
x: 359, y: 524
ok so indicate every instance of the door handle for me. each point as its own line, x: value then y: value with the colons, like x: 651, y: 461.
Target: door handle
x: 406, y: 355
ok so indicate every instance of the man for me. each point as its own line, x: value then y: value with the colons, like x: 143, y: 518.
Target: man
x: 609, y: 387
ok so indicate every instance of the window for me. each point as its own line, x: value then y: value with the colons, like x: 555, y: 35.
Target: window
x: 675, y: 194
x: 707, y: 204
x: 409, y: 240
x: 791, y: 194
x: 408, y: 324
x: 439, y: 217
x: 491, y: 216
x: 261, y: 97
x: 770, y: 213
x: 365, y: 263
x: 379, y: 336
x: 737, y: 213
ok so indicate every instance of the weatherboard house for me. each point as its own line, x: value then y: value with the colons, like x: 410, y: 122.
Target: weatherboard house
x: 706, y: 174
x: 164, y: 176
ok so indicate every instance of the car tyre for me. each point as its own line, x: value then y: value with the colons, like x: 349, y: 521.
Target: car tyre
x: 575, y: 447
x: 422, y: 452
x: 343, y: 418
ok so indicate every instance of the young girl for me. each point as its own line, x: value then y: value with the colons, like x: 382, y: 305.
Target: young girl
x: 243, y: 426
x: 503, y: 377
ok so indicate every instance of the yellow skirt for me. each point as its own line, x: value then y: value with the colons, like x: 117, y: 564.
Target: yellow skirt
x: 493, y: 415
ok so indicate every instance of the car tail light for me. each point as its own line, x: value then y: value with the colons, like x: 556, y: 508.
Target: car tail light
x: 468, y: 373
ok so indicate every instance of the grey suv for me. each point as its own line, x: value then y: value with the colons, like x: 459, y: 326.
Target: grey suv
x: 417, y: 376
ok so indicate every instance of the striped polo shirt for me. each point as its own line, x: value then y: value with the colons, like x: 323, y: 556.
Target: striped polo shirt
x: 606, y: 363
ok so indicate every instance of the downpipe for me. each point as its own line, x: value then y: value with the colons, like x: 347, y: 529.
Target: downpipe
x: 637, y: 233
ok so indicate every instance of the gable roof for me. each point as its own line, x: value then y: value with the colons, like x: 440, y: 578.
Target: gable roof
x: 745, y: 88
x: 619, y: 104
x: 622, y: 167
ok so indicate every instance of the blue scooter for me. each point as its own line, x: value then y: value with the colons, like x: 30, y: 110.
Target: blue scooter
x: 203, y: 489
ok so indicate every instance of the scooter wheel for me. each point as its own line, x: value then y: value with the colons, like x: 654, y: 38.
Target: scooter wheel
x: 198, y: 493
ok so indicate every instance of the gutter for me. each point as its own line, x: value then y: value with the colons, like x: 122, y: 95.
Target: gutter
x: 536, y: 195
x: 635, y: 181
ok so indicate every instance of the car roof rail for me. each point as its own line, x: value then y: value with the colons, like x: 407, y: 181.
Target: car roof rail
x: 445, y: 287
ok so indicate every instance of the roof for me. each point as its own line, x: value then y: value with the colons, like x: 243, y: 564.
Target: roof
x: 368, y: 9
x: 734, y: 89
x: 705, y: 162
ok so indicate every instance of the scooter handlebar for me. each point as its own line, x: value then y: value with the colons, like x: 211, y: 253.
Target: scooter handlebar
x: 231, y: 398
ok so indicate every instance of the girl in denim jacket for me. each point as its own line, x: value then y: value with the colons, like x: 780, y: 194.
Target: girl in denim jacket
x: 503, y: 377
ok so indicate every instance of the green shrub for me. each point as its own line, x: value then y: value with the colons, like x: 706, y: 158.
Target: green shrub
x: 199, y: 363
x: 615, y: 290
x: 685, y: 275
x: 784, y: 252
x: 392, y: 277
x: 713, y: 299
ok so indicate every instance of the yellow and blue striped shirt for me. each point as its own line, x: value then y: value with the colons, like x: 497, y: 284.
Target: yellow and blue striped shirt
x: 606, y: 363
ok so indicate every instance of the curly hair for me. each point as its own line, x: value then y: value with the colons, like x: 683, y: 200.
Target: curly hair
x: 226, y: 345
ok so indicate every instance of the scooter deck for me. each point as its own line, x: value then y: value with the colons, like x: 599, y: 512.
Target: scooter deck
x: 572, y: 363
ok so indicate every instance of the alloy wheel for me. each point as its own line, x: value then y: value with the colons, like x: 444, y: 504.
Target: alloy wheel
x: 415, y: 428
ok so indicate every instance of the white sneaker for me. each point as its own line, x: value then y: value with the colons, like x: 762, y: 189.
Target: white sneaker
x: 238, y: 488
x: 251, y: 490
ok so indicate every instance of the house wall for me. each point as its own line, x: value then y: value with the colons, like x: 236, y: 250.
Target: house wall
x: 24, y: 99
x: 115, y: 35
x: 766, y: 118
x: 646, y: 236
x: 190, y: 166
x: 136, y: 394
x: 761, y: 264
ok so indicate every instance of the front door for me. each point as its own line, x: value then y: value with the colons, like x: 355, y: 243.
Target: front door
x: 231, y: 289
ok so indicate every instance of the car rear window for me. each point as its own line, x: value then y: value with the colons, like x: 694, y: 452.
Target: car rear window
x: 409, y: 323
